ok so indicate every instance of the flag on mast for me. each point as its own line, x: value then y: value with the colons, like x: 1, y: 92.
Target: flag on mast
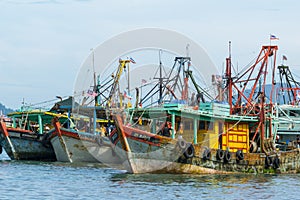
x: 127, y: 96
x: 273, y: 37
x: 284, y: 57
x: 91, y: 93
x: 132, y: 60
x: 144, y: 81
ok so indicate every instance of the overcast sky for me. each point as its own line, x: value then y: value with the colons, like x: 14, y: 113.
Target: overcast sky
x: 44, y: 42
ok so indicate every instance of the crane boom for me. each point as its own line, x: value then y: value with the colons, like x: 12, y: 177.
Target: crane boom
x: 116, y: 78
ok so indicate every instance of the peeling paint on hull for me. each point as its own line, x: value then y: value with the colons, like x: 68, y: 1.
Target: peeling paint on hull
x: 28, y: 149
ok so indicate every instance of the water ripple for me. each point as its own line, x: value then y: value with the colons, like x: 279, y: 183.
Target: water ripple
x: 42, y: 180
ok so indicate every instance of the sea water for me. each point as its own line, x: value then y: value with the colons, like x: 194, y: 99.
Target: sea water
x: 56, y: 180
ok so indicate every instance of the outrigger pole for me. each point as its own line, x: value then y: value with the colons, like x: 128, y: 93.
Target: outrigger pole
x: 160, y: 79
x: 6, y: 135
x: 241, y: 83
x: 250, y: 79
x: 291, y: 85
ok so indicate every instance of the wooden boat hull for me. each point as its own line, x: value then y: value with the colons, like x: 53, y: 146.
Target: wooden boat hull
x: 253, y: 163
x: 26, y: 146
x: 188, y: 158
x: 77, y: 152
x: 74, y: 146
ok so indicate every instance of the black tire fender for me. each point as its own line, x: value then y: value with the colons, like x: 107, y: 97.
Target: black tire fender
x: 239, y: 155
x: 190, y: 151
x: 268, y: 161
x: 206, y: 154
x: 253, y: 147
x: 276, y: 162
x: 182, y: 144
x: 220, y: 154
x: 227, y: 156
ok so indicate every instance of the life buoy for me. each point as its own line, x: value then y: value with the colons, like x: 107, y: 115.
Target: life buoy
x: 182, y: 144
x: 268, y: 161
x: 276, y: 162
x: 190, y: 151
x: 239, y: 155
x: 206, y: 154
x: 220, y: 154
x: 227, y: 156
x: 253, y: 147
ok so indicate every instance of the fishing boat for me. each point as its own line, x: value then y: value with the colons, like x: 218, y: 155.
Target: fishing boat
x: 7, y: 121
x: 215, y: 137
x: 66, y: 140
x: 73, y: 145
x: 82, y: 138
x: 288, y: 126
x: 23, y: 138
x: 195, y: 150
x: 288, y: 97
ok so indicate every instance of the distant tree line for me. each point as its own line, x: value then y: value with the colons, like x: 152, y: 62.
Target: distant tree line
x: 5, y: 110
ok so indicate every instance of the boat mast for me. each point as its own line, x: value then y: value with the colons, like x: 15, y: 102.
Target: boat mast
x: 249, y: 80
x: 160, y: 79
x: 128, y: 80
x: 116, y: 78
x: 185, y: 91
x: 98, y: 95
x: 229, y: 79
x: 288, y: 83
x: 94, y: 92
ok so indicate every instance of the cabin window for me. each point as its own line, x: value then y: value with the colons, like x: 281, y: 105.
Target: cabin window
x: 202, y: 125
x: 292, y: 113
x: 187, y: 125
x: 280, y: 113
x: 295, y: 113
x: 206, y: 125
x: 210, y: 126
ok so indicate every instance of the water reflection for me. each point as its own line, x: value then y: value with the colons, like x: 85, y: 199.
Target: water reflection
x: 230, y: 180
x: 243, y: 186
x: 96, y: 181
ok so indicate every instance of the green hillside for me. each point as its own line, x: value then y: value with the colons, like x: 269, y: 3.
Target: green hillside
x: 5, y: 110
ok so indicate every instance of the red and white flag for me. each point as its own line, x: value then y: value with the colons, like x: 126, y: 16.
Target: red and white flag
x: 273, y: 37
x: 91, y: 93
x: 144, y: 81
x: 127, y: 96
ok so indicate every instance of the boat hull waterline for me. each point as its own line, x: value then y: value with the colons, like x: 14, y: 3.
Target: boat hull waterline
x: 195, y: 159
x: 25, y: 145
x: 75, y: 146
